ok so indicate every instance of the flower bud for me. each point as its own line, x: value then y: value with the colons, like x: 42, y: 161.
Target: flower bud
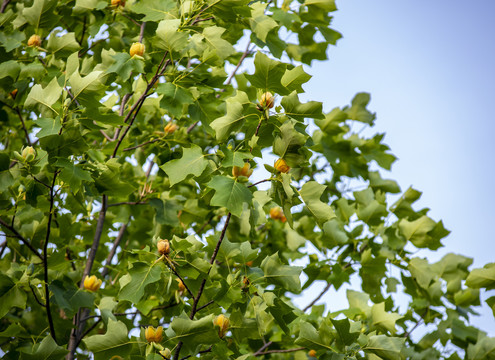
x: 267, y: 101
x: 276, y: 213
x: 281, y: 165
x: 28, y: 153
x: 153, y: 335
x: 92, y: 283
x: 163, y: 247
x: 13, y: 93
x: 117, y: 3
x: 166, y: 353
x: 170, y: 128
x: 34, y: 41
x: 137, y: 49
x: 312, y: 353
x: 182, y: 287
x: 244, y: 171
x: 223, y: 323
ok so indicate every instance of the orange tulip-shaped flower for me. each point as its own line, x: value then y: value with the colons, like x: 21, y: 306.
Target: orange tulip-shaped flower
x: 276, y: 213
x: 223, y: 323
x: 137, y: 49
x: 163, y: 247
x: 153, y: 335
x: 281, y: 165
x: 117, y: 3
x: 312, y: 353
x: 244, y: 171
x: 267, y: 101
x: 170, y: 128
x: 34, y: 41
x: 92, y: 283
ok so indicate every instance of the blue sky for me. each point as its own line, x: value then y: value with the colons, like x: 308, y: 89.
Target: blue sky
x: 430, y: 69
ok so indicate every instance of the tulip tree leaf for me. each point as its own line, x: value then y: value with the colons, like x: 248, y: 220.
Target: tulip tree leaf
x: 281, y: 275
x: 140, y: 275
x: 114, y: 342
x: 261, y: 24
x: 192, y: 162
x: 387, y: 348
x: 230, y: 194
x: 482, y: 278
x: 311, y: 195
x: 46, y: 96
x: 154, y: 10
x: 48, y: 127
x: 294, y: 78
x: 310, y: 338
x: 192, y: 332
x: 268, y: 74
x: 62, y: 45
x: 47, y: 349
x: 10, y: 295
x: 296, y: 110
x: 384, y: 319
x: 41, y: 14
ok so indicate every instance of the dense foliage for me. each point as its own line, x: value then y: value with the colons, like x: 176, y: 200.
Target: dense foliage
x: 132, y: 228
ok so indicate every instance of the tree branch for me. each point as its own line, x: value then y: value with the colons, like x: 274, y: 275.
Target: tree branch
x: 112, y: 252
x: 45, y: 259
x: 279, y: 351
x: 20, y: 237
x: 23, y: 126
x: 4, y: 5
x: 199, y: 352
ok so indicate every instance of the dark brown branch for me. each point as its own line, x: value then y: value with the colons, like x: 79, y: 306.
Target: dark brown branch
x: 261, y: 349
x: 4, y: 5
x: 325, y: 289
x: 41, y: 182
x: 194, y: 309
x: 36, y: 297
x: 23, y: 126
x: 127, y: 203
x: 241, y: 60
x: 83, y: 32
x: 112, y: 252
x: 141, y: 145
x: 259, y: 182
x: 199, y: 352
x: 205, y: 305
x: 180, y: 278
x: 141, y: 32
x: 279, y: 351
x: 45, y: 258
x: 20, y: 237
x: 3, y: 247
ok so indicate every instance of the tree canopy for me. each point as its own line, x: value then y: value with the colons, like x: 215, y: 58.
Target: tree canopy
x: 132, y: 228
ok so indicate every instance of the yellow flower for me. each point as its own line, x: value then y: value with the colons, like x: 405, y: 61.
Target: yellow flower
x: 34, y: 41
x: 223, y: 323
x: 312, y: 353
x: 118, y: 3
x: 281, y: 165
x: 163, y: 247
x: 182, y: 287
x: 267, y: 101
x: 92, y: 283
x: 170, y: 128
x: 276, y: 213
x: 244, y: 171
x: 153, y: 335
x: 137, y: 49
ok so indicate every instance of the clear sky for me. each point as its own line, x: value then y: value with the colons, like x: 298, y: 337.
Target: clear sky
x: 430, y: 69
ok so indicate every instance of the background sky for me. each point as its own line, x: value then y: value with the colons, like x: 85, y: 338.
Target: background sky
x: 430, y: 69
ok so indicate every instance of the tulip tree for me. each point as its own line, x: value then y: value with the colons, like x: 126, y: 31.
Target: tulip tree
x: 104, y: 155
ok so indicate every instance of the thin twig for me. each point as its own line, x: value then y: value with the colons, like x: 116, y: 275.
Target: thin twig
x: 127, y: 203
x: 243, y: 56
x: 181, y: 279
x: 23, y: 126
x: 259, y: 182
x: 45, y: 258
x: 41, y: 182
x: 4, y: 5
x: 141, y: 145
x: 261, y: 349
x: 36, y: 297
x: 141, y: 32
x: 205, y: 305
x: 194, y: 309
x: 112, y: 252
x: 199, y: 352
x: 325, y: 289
x: 280, y: 351
x: 83, y: 32
x: 20, y: 237
x: 420, y: 320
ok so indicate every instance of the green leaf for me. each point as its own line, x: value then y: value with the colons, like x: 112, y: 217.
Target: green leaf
x: 193, y: 332
x: 387, y: 348
x: 484, y: 349
x: 169, y: 37
x: 154, y: 10
x: 40, y: 14
x: 47, y: 349
x: 289, y: 140
x: 296, y: 110
x: 268, y: 74
x: 192, y: 162
x: 384, y: 319
x: 174, y: 98
x: 140, y: 275
x: 10, y: 295
x: 47, y: 96
x: 309, y: 338
x: 358, y: 110
x: 73, y: 174
x: 113, y: 342
x: 294, y: 78
x: 9, y: 68
x: 63, y: 45
x: 235, y: 158
x: 421, y: 271
x: 124, y: 65
x: 235, y: 117
x: 482, y: 278
x: 344, y: 335
x: 48, y: 127
x: 326, y: 5
x: 229, y: 194
x: 334, y: 230
x: 70, y: 298
x: 261, y: 24
x: 369, y: 209
x: 287, y: 277
x: 219, y: 47
x: 421, y: 232
x: 311, y: 193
